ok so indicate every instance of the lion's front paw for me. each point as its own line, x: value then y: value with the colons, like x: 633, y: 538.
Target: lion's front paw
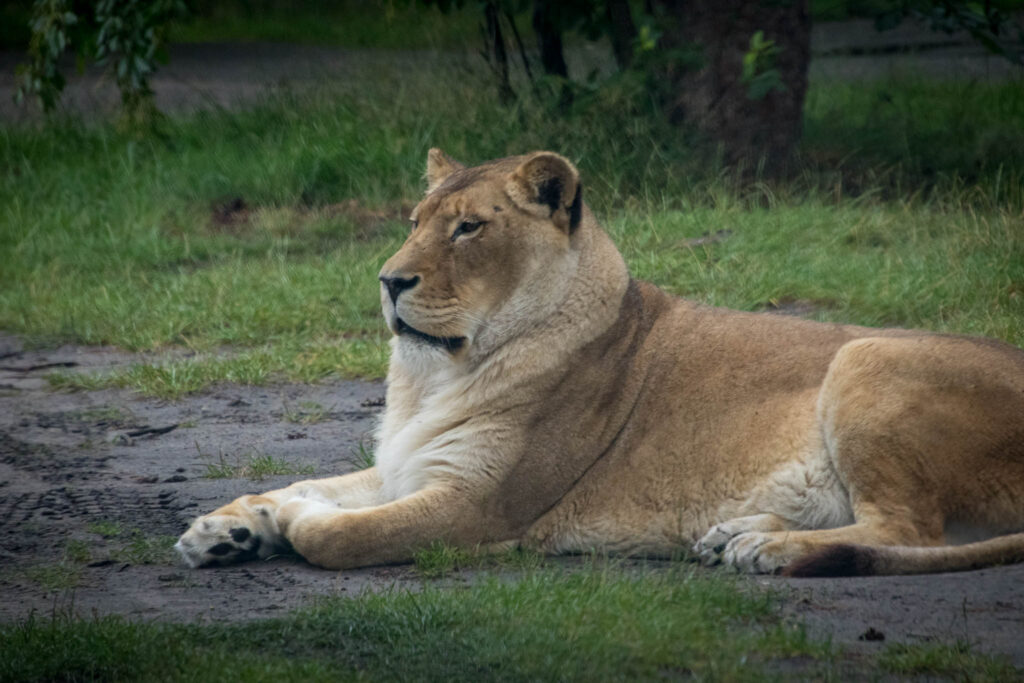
x: 758, y: 553
x: 710, y: 547
x: 237, y: 532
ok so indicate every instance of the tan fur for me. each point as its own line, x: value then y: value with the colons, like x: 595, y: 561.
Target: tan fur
x: 538, y: 396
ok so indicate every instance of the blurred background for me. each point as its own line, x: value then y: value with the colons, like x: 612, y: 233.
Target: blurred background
x: 228, y: 176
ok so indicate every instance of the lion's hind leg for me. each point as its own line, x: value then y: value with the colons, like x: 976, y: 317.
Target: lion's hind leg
x: 924, y: 435
x: 775, y: 551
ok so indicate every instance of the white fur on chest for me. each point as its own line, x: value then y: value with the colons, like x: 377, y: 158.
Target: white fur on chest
x: 433, y: 431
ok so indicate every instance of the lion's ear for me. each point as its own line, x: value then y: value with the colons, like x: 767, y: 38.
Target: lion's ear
x: 547, y: 184
x: 439, y: 167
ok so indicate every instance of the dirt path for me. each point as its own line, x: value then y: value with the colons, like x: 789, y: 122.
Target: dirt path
x: 89, y: 502
x: 89, y: 505
x: 232, y: 75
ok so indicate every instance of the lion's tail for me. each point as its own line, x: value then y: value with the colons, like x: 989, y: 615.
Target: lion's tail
x: 862, y: 560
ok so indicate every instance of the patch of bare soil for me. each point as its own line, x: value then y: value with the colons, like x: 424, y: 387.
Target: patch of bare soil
x: 94, y: 486
x: 232, y: 215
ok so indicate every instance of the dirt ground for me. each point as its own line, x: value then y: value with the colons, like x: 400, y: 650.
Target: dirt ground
x: 94, y: 487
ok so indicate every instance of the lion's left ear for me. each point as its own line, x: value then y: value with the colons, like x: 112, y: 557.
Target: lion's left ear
x: 439, y: 167
x: 548, y: 185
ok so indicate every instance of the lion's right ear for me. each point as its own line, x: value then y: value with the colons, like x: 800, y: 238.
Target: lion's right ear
x: 439, y: 167
x: 547, y: 184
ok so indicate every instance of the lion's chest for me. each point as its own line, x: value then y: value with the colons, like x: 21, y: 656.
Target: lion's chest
x: 432, y: 450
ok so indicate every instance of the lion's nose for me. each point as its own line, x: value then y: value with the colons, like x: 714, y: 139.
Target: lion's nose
x: 396, y: 285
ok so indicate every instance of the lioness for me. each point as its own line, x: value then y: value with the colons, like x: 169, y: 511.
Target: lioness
x: 539, y: 396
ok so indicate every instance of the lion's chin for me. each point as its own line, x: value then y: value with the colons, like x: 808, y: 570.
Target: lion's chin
x: 450, y: 344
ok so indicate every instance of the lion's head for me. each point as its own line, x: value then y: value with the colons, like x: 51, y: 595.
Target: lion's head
x: 489, y: 254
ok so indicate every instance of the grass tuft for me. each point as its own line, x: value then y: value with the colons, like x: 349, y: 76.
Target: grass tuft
x: 363, y: 456
x: 958, y: 661
x: 307, y: 413
x: 441, y: 559
x: 55, y: 576
x: 255, y: 466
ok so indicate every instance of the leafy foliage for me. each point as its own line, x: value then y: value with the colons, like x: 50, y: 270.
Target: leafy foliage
x: 127, y: 36
x: 130, y: 38
x: 989, y: 24
x: 759, y: 72
x: 41, y: 76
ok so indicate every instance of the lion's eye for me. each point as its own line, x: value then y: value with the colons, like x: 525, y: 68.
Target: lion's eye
x: 466, y: 228
x: 415, y: 224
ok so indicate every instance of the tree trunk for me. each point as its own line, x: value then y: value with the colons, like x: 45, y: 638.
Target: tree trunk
x: 622, y: 31
x: 549, y: 40
x: 497, y: 57
x: 552, y: 57
x: 751, y: 126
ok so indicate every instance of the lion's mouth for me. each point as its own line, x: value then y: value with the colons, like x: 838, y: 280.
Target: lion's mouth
x: 450, y: 344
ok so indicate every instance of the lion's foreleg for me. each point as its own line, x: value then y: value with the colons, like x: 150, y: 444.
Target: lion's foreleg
x: 348, y: 491
x: 392, y: 532
x: 247, y: 527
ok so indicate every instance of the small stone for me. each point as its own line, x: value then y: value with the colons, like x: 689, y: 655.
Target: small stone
x: 120, y: 439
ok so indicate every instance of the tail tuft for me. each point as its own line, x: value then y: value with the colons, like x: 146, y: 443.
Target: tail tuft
x: 835, y: 560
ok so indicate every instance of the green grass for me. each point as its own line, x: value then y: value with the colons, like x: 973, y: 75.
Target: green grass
x: 957, y: 661
x: 253, y: 238
x: 362, y: 455
x: 123, y: 544
x: 305, y: 413
x: 55, y: 576
x: 602, y: 624
x: 141, y: 548
x: 105, y: 528
x: 64, y: 573
x: 255, y: 466
x: 441, y: 559
x: 898, y: 137
x: 119, y: 238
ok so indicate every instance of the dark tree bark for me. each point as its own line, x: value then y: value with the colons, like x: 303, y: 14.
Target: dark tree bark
x: 549, y: 40
x: 497, y: 57
x: 621, y: 30
x: 714, y: 95
x: 519, y: 44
